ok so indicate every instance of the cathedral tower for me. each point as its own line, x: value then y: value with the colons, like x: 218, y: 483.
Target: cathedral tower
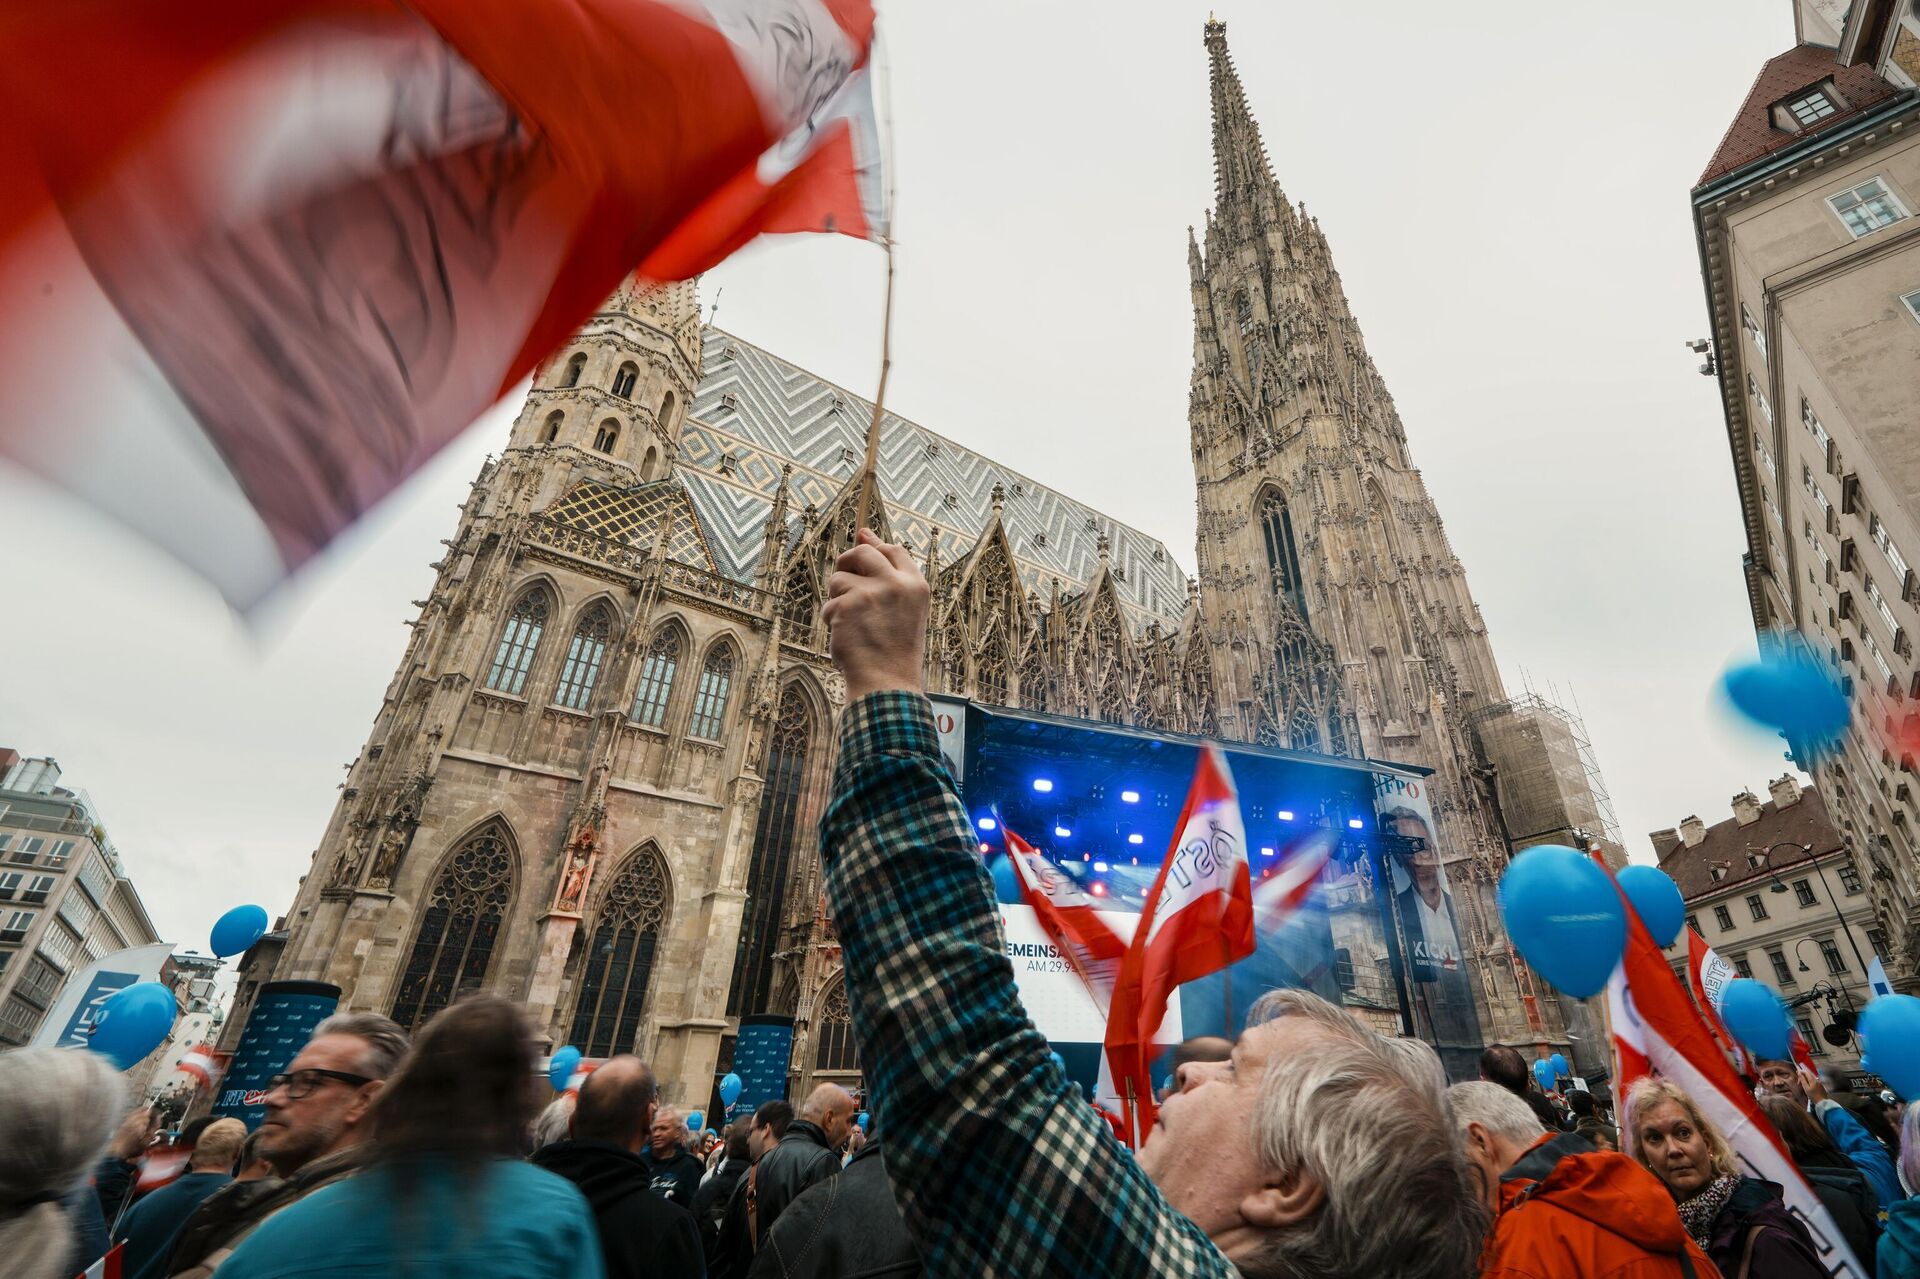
x: 1338, y: 616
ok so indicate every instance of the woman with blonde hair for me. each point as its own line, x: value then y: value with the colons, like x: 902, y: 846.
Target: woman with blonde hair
x: 1739, y: 1221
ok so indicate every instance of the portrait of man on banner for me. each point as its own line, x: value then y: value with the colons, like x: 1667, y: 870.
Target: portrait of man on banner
x: 1422, y: 896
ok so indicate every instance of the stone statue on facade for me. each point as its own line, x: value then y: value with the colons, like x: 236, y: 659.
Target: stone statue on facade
x: 393, y: 846
x: 578, y: 872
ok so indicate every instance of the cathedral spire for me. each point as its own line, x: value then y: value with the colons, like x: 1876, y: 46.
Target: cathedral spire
x: 1240, y: 169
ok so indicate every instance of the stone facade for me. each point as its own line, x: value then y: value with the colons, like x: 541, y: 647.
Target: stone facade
x: 594, y: 782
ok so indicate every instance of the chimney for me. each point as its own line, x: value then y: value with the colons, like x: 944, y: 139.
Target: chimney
x: 1664, y: 842
x: 1746, y: 808
x: 1785, y: 791
x: 1693, y: 831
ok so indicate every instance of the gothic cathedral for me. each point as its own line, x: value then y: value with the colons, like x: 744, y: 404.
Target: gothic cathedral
x: 594, y: 781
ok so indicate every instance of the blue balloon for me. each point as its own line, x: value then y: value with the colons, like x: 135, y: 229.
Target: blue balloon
x: 1656, y: 899
x: 1757, y: 1018
x: 1793, y: 694
x: 695, y: 1121
x: 238, y: 929
x: 1559, y: 1065
x: 560, y: 1069
x: 863, y: 1119
x: 730, y: 1089
x: 133, y: 1022
x: 1565, y: 917
x: 1890, y: 1030
x: 1543, y: 1071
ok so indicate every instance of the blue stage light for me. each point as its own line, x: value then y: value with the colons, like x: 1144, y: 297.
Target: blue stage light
x: 1062, y: 831
x: 1136, y: 838
x: 1102, y: 867
x: 1043, y: 785
x: 986, y: 823
x: 1129, y: 796
x: 1285, y: 814
x: 1356, y: 823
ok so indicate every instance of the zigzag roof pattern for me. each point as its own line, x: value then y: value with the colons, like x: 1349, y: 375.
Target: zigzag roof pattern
x: 754, y: 412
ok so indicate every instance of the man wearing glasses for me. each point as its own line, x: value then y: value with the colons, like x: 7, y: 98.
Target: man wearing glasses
x: 317, y: 1117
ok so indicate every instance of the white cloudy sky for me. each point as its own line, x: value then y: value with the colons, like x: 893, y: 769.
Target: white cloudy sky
x: 1504, y: 186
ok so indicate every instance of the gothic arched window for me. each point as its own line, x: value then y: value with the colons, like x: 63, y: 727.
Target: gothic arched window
x: 833, y: 1046
x: 776, y: 841
x: 656, y: 679
x: 518, y: 643
x: 584, y: 654
x: 458, y: 927
x: 607, y: 436
x: 619, y: 958
x: 797, y: 603
x: 1283, y: 560
x: 551, y: 431
x: 575, y: 367
x: 990, y: 669
x: 665, y: 419
x: 710, y: 700
x: 623, y: 380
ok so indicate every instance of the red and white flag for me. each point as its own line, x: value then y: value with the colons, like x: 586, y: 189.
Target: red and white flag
x: 109, y: 1266
x: 579, y: 1078
x: 1069, y: 919
x: 282, y: 251
x: 1285, y: 884
x: 1708, y: 975
x: 1197, y: 920
x: 201, y: 1064
x: 1657, y: 1031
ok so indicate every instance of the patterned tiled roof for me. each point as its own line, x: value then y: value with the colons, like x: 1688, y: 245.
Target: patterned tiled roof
x: 633, y: 516
x: 754, y: 411
x: 1752, y: 134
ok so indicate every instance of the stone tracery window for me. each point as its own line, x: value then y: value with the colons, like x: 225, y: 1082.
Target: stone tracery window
x: 551, y: 431
x: 797, y: 604
x: 575, y: 367
x: 656, y: 679
x: 518, y: 643
x: 618, y: 963
x: 607, y: 436
x: 458, y: 927
x: 990, y: 669
x: 584, y: 655
x: 710, y: 699
x: 776, y: 849
x: 833, y: 1047
x: 623, y: 380
x: 1283, y: 559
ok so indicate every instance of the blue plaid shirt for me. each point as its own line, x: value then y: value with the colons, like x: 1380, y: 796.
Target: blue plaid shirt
x: 998, y: 1165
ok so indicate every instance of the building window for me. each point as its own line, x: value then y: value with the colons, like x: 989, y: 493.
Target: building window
x: 1884, y: 540
x: 1693, y: 923
x: 1810, y: 108
x: 619, y: 959
x: 574, y: 367
x: 1803, y: 891
x: 623, y: 380
x: 589, y: 646
x: 518, y: 643
x: 9, y: 884
x: 1835, y: 964
x: 710, y: 700
x: 17, y: 924
x: 1753, y: 329
x: 776, y: 852
x: 1283, y: 560
x: 551, y: 431
x: 1811, y: 421
x: 1766, y: 460
x: 1724, y: 918
x: 1757, y: 905
x: 1912, y: 301
x: 1879, y: 601
x: 1877, y: 941
x: 1867, y: 207
x: 833, y: 1036
x: 58, y: 854
x: 607, y: 436
x: 1782, y: 971
x: 1741, y: 966
x: 1815, y: 1044
x: 656, y: 679
x: 27, y: 851
x: 1753, y: 389
x: 60, y: 946
x: 18, y: 1019
x: 1879, y: 659
x: 1819, y: 497
x: 458, y: 928
x: 37, y: 891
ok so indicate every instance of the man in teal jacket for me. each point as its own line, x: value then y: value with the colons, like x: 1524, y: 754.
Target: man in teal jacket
x: 1784, y: 1079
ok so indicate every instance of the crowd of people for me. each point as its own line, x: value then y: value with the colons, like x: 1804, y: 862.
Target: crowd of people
x: 1310, y: 1146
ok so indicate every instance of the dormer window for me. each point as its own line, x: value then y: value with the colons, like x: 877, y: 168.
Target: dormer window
x: 1809, y: 107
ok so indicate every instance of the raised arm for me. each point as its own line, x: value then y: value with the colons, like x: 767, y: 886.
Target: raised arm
x: 998, y: 1165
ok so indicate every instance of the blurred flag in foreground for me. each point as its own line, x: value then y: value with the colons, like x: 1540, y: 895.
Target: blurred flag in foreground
x: 1069, y: 919
x: 1198, y: 919
x: 279, y: 252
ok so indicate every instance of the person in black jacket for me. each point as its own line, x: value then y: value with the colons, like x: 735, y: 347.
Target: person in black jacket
x: 732, y: 1254
x: 641, y: 1233
x: 1843, y: 1188
x: 716, y: 1192
x: 809, y: 1153
x: 676, y: 1170
x: 846, y: 1227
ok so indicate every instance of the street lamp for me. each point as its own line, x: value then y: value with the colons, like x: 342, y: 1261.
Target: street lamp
x: 1779, y: 886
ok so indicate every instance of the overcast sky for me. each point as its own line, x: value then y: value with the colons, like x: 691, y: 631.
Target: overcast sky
x: 1505, y: 190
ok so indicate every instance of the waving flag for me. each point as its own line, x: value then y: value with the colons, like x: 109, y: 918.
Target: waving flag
x: 1658, y: 1032
x: 1067, y: 916
x: 1197, y: 920
x: 201, y: 1064
x: 282, y: 251
x: 1707, y: 976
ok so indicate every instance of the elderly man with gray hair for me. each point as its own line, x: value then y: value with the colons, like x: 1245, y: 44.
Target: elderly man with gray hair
x: 1318, y: 1148
x: 1565, y: 1209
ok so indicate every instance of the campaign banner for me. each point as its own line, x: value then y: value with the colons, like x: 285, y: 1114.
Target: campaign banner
x: 1423, y: 904
x: 282, y: 1022
x: 70, y: 1022
x: 761, y: 1056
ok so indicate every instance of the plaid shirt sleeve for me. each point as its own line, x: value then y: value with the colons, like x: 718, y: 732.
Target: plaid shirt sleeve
x: 998, y: 1165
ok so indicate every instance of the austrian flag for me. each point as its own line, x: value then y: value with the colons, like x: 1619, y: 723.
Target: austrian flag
x: 278, y: 253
